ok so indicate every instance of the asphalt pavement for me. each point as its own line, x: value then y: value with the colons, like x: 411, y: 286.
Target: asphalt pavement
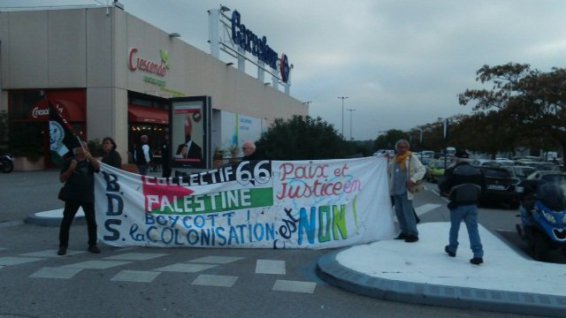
x: 418, y: 272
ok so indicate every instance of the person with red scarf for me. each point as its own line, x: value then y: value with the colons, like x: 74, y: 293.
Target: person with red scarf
x: 405, y: 170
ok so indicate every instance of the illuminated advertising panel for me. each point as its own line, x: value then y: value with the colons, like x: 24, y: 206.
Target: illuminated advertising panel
x: 190, y: 132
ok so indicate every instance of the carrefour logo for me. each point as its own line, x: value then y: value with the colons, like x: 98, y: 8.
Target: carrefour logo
x: 250, y: 42
x: 284, y: 68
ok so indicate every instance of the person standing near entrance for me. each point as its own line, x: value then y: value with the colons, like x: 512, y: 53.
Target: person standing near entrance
x: 405, y: 170
x: 142, y: 156
x: 462, y: 182
x: 78, y: 191
x: 110, y: 155
x: 165, y: 157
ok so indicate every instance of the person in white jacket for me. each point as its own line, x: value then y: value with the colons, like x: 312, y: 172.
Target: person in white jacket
x: 405, y: 171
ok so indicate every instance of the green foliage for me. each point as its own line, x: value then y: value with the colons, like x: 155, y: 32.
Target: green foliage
x: 303, y: 138
x: 388, y: 140
x: 528, y: 103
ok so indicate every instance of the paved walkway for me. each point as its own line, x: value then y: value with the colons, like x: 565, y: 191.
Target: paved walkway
x: 423, y: 273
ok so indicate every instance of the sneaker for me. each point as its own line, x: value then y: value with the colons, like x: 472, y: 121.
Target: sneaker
x: 401, y: 236
x: 411, y: 238
x: 62, y: 251
x: 449, y: 252
x: 94, y: 249
x: 476, y: 260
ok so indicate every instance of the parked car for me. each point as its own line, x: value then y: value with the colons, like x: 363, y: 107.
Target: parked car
x: 499, y: 187
x: 520, y: 172
x: 435, y: 170
x: 485, y: 163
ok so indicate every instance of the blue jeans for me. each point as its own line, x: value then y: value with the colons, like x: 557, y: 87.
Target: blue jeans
x: 405, y: 215
x: 469, y: 214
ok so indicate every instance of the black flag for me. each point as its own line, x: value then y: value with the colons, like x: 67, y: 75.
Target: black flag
x: 61, y: 137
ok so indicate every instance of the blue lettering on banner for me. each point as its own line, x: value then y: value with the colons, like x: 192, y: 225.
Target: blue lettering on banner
x: 240, y: 234
x: 115, y: 206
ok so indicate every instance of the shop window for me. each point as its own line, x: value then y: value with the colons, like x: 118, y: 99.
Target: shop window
x: 22, y: 102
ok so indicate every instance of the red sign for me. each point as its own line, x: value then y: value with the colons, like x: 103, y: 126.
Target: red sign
x: 137, y: 63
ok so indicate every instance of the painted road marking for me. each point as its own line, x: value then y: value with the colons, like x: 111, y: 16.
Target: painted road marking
x: 96, y: 264
x: 216, y: 259
x: 427, y: 207
x: 135, y: 276
x: 56, y: 272
x: 51, y: 253
x: 265, y: 266
x: 185, y: 268
x: 215, y: 280
x: 14, y: 260
x: 135, y: 256
x: 294, y: 286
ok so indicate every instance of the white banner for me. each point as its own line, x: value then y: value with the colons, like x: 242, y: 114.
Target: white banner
x: 266, y: 204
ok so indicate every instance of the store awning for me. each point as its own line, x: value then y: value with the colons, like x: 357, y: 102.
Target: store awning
x: 147, y: 115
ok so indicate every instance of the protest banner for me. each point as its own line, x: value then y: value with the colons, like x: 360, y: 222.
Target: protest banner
x: 266, y: 204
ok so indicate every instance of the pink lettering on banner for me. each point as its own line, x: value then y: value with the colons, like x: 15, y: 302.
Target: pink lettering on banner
x: 290, y: 170
x: 314, y: 181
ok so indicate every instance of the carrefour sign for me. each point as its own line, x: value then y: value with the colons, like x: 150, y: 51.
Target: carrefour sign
x: 257, y: 46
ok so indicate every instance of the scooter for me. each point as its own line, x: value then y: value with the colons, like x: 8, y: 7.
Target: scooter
x: 6, y: 163
x: 543, y: 220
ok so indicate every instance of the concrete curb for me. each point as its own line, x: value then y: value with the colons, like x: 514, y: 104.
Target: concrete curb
x: 332, y: 272
x: 53, y: 218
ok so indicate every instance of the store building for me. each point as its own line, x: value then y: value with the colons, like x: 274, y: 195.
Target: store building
x: 112, y: 74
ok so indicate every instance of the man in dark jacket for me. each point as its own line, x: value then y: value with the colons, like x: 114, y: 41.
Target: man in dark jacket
x: 78, y: 191
x: 249, y: 150
x: 463, y: 183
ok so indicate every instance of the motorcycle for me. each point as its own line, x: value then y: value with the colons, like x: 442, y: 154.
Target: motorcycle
x: 543, y: 219
x: 6, y: 163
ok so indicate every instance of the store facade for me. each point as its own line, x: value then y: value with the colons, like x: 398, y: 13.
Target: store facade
x: 112, y: 74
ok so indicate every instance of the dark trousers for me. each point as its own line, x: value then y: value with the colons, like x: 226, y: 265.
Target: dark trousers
x: 166, y: 173
x: 71, y: 209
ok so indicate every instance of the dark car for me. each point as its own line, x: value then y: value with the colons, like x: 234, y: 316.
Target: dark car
x: 499, y: 187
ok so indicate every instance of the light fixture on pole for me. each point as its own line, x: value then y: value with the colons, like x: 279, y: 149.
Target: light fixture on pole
x: 351, y: 110
x: 343, y: 98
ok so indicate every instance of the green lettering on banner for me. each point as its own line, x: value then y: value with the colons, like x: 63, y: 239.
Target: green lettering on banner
x: 232, y: 200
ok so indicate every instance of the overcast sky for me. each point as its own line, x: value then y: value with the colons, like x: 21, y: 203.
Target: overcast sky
x: 402, y: 63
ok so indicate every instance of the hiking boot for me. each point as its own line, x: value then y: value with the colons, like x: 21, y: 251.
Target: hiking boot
x: 449, y: 252
x: 411, y: 238
x: 476, y: 260
x: 401, y: 236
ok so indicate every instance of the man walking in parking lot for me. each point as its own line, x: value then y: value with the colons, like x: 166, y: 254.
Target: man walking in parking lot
x: 462, y: 183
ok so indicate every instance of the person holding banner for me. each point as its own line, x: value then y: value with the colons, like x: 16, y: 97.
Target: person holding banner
x: 111, y: 156
x: 78, y: 191
x: 405, y: 171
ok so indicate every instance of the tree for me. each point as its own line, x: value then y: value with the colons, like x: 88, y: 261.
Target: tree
x: 388, y: 140
x: 303, y: 138
x: 533, y: 100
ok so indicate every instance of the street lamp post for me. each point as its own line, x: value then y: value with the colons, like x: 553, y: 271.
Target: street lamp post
x: 351, y: 110
x: 343, y: 98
